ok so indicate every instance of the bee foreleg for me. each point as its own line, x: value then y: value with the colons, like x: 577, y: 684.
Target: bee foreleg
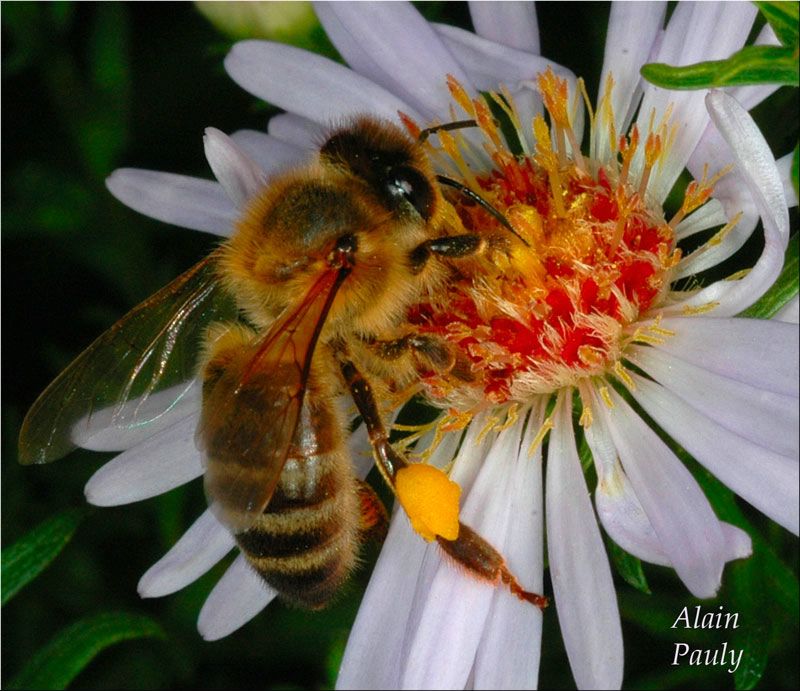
x: 450, y: 247
x: 469, y: 549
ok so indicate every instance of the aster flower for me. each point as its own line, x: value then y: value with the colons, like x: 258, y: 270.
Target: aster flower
x: 619, y: 332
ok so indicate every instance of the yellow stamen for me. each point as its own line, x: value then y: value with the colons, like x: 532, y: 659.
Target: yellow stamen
x: 547, y: 425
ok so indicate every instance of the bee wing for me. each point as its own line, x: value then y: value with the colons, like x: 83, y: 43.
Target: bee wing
x: 119, y: 384
x: 251, y: 409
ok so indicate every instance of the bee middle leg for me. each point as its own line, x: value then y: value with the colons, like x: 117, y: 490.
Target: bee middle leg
x: 469, y: 549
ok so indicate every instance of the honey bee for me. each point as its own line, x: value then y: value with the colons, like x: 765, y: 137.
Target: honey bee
x: 305, y: 302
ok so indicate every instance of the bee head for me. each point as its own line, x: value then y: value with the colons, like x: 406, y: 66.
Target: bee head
x: 391, y: 166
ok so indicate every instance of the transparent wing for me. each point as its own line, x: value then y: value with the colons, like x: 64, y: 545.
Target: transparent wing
x: 253, y: 404
x: 134, y: 376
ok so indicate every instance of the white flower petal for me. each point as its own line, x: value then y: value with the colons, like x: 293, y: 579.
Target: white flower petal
x: 696, y: 32
x: 298, y: 131
x: 270, y: 153
x: 762, y: 353
x: 633, y: 28
x: 411, y: 63
x: 755, y: 162
x: 449, y: 615
x: 767, y: 480
x: 619, y: 509
x: 790, y: 312
x: 764, y: 417
x: 307, y: 84
x: 512, y: 24
x: 512, y: 632
x: 236, y: 598
x: 372, y: 657
x: 240, y: 176
x: 489, y: 64
x: 685, y: 523
x: 784, y: 164
x: 156, y: 465
x: 200, y: 547
x: 178, y: 199
x: 586, y: 600
x: 622, y: 514
x: 709, y: 215
x: 122, y: 427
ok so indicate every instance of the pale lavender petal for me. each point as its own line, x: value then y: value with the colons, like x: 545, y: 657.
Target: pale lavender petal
x: 447, y: 621
x: 308, y: 84
x: 411, y: 63
x: 298, y: 131
x: 759, y: 352
x: 684, y: 521
x: 709, y: 215
x: 766, y: 479
x: 236, y: 598
x: 272, y: 154
x: 178, y: 199
x: 766, y: 418
x: 158, y: 464
x: 586, y: 600
x: 372, y: 657
x: 633, y: 28
x: 200, y: 548
x: 511, y: 632
x: 790, y: 312
x: 619, y: 509
x: 784, y: 164
x: 622, y: 514
x: 755, y: 161
x: 512, y: 24
x: 489, y: 64
x: 122, y: 427
x: 696, y: 32
x: 240, y: 176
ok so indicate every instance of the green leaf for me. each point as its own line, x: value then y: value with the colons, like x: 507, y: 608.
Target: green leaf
x: 752, y: 636
x: 784, y: 288
x: 31, y: 554
x: 628, y: 567
x: 55, y: 665
x: 796, y: 171
x: 783, y: 17
x: 750, y: 65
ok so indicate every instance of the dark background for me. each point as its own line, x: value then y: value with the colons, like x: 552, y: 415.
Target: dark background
x: 90, y: 87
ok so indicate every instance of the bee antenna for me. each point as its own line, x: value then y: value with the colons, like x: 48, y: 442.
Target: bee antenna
x: 455, y: 125
x: 467, y: 192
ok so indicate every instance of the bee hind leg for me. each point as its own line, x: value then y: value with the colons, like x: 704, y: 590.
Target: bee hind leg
x: 469, y: 549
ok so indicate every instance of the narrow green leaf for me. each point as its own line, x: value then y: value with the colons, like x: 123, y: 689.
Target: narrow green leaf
x: 750, y: 65
x: 796, y: 171
x: 752, y: 634
x: 628, y: 567
x: 30, y: 555
x: 784, y: 288
x: 783, y: 17
x: 55, y: 665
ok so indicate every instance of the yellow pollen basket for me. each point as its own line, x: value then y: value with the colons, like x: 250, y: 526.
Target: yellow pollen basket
x: 430, y: 499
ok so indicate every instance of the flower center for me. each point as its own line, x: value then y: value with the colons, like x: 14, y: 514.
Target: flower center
x: 532, y: 318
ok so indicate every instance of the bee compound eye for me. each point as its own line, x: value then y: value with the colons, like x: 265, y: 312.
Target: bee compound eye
x: 408, y: 184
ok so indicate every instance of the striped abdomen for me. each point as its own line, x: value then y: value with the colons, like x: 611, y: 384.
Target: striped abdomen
x: 304, y: 544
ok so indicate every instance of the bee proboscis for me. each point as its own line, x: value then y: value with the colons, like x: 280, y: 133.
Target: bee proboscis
x: 304, y: 303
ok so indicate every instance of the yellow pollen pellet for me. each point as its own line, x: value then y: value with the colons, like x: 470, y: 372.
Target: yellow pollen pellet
x: 430, y: 500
